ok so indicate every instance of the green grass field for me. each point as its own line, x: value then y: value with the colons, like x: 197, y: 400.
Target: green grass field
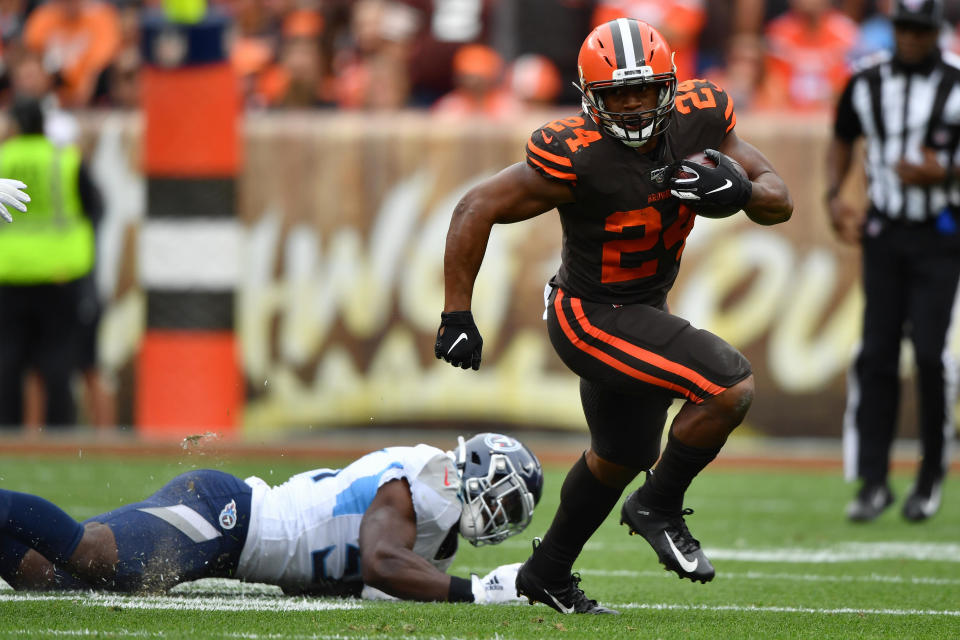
x: 788, y: 566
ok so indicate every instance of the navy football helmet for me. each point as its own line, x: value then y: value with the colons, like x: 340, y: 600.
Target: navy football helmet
x: 500, y: 483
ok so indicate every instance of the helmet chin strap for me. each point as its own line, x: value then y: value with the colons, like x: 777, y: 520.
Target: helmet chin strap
x: 471, y: 522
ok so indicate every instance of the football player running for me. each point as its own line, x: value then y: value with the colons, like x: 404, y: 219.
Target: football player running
x: 387, y: 525
x: 627, y: 201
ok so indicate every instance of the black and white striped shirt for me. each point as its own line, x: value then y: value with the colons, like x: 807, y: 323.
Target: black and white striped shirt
x: 899, y: 113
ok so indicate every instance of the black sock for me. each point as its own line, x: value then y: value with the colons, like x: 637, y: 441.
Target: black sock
x: 678, y: 466
x: 585, y: 503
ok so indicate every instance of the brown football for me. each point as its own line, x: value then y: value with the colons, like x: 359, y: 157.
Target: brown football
x: 704, y: 160
x: 695, y: 158
x: 701, y: 158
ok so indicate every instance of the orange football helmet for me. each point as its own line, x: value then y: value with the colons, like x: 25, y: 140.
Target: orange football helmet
x: 627, y: 52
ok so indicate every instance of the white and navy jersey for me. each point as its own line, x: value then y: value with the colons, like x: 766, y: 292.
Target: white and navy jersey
x: 900, y: 112
x: 305, y: 533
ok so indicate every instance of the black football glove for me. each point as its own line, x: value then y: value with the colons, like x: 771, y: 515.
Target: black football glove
x: 714, y: 192
x: 458, y: 340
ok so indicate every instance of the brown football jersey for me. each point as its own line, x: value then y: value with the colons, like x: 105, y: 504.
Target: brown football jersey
x: 624, y: 234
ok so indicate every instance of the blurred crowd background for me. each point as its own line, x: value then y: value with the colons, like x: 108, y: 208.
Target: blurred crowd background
x: 456, y: 57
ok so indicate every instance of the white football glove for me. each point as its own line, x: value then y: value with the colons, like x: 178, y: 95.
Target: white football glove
x: 497, y: 587
x: 10, y: 195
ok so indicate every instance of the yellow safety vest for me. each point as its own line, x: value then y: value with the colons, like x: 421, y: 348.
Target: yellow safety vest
x: 53, y: 241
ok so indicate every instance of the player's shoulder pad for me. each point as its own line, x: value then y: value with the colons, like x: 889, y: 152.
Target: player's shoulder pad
x: 700, y: 98
x: 434, y: 492
x: 555, y: 149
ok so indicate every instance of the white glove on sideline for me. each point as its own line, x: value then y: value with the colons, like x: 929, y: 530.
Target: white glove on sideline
x: 497, y: 587
x: 10, y: 195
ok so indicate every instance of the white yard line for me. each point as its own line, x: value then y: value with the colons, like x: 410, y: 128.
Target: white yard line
x: 796, y: 577
x: 775, y: 609
x: 207, y: 603
x: 842, y: 552
x: 226, y: 635
x: 132, y: 633
x: 757, y: 575
x: 845, y: 552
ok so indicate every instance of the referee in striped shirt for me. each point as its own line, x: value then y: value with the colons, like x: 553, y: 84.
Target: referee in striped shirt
x: 907, y: 108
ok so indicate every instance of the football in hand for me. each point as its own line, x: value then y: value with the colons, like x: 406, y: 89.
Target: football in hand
x: 702, y: 208
x: 699, y: 158
x: 706, y: 161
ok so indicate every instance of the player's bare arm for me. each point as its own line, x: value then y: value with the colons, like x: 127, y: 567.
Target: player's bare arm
x: 845, y: 219
x: 927, y: 172
x: 517, y: 193
x: 770, y: 202
x: 35, y: 573
x: 388, y: 532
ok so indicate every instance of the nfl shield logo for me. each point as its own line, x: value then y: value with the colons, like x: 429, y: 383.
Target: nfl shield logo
x: 659, y: 175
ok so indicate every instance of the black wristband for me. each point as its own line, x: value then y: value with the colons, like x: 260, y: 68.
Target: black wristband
x: 461, y: 590
x: 456, y: 317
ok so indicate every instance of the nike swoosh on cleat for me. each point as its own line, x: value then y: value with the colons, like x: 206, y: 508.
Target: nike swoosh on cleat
x: 561, y: 608
x: 687, y: 565
x: 727, y: 185
x: 546, y: 138
x: 460, y: 337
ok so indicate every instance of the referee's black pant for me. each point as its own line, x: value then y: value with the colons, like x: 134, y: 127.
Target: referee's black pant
x: 910, y: 276
x: 38, y: 330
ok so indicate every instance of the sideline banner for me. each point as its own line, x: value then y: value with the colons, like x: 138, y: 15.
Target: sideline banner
x: 341, y: 278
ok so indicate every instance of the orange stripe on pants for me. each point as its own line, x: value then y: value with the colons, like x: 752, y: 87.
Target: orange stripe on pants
x: 631, y: 350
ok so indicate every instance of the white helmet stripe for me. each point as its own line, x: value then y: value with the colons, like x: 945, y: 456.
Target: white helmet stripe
x: 629, y: 49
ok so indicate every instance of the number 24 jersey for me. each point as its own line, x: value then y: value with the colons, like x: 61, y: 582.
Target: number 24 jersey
x: 624, y: 234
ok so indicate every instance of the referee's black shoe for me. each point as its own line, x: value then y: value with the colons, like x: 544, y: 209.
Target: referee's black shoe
x: 565, y: 596
x: 872, y: 500
x: 667, y: 533
x: 923, y: 501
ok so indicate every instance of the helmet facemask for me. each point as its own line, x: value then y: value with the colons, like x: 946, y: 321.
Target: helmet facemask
x: 496, y: 506
x: 633, y: 128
